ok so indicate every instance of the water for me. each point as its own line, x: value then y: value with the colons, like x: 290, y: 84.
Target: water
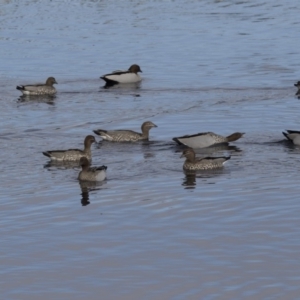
x: 150, y: 231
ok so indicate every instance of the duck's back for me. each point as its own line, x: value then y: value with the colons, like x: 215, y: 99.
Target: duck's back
x: 93, y: 174
x: 122, y: 77
x: 200, y: 140
x: 39, y: 89
x: 67, y: 155
x: 119, y: 135
x: 207, y: 163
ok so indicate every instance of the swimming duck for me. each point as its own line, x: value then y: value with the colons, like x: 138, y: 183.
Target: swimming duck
x: 126, y: 135
x: 206, y: 139
x: 207, y: 163
x: 39, y: 89
x: 89, y: 173
x: 293, y: 136
x: 72, y: 154
x: 297, y: 85
x: 129, y: 76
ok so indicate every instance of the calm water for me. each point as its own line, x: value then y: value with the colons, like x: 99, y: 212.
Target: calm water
x: 149, y: 231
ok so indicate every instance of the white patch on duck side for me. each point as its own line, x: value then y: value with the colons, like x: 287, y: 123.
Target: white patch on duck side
x: 200, y: 141
x: 101, y: 175
x: 124, y: 78
x: 53, y: 158
x: 295, y: 137
x: 106, y: 137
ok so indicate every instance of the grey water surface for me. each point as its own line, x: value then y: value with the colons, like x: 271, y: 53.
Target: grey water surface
x: 150, y: 231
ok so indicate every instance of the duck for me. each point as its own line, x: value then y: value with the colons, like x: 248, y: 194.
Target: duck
x: 293, y: 136
x: 72, y: 154
x: 39, y: 89
x: 89, y: 173
x: 297, y: 85
x: 207, y: 163
x: 206, y: 139
x: 123, y: 135
x: 129, y: 76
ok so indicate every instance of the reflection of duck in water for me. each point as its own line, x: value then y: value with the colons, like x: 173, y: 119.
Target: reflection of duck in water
x: 215, y: 148
x: 190, y: 180
x: 206, y: 139
x: 39, y: 89
x: 89, y: 173
x: 207, y: 163
x: 87, y: 187
x: 297, y: 85
x: 203, y: 175
x: 85, y: 195
x: 62, y: 165
x: 48, y: 99
x: 72, y: 154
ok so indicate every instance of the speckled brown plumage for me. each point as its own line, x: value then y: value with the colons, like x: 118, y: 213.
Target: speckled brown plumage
x: 39, y: 89
x: 207, y: 163
x: 126, y: 135
x: 72, y: 154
